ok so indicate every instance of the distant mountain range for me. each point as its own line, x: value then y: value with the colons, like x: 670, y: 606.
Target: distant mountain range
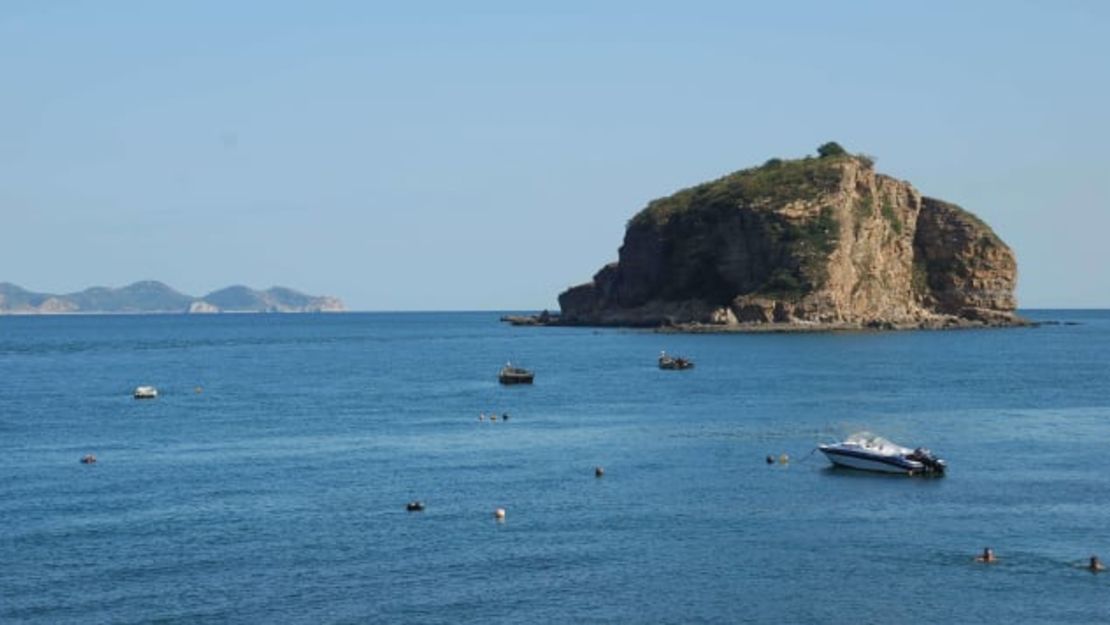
x: 155, y: 297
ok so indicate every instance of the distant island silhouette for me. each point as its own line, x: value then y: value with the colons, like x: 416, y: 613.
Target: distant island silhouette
x: 151, y: 296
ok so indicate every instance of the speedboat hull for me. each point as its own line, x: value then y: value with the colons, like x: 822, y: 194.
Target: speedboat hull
x: 870, y: 462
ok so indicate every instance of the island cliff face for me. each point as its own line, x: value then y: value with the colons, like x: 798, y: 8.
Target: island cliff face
x: 810, y: 243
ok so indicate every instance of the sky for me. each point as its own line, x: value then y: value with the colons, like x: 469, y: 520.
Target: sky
x: 487, y: 155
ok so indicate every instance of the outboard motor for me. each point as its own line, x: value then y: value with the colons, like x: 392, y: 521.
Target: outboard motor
x: 931, y: 462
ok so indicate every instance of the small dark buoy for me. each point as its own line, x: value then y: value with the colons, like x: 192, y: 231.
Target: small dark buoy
x: 88, y: 459
x: 415, y: 506
x: 505, y: 417
x: 599, y: 471
x: 770, y: 459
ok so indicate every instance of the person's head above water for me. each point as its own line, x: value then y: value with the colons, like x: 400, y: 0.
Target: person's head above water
x: 1095, y: 564
x: 986, y: 556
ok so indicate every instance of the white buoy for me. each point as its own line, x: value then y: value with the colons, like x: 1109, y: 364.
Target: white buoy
x: 499, y: 514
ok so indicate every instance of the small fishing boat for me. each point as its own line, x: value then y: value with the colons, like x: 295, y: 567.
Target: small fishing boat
x: 145, y: 392
x: 674, y: 362
x: 868, y: 452
x: 515, y: 375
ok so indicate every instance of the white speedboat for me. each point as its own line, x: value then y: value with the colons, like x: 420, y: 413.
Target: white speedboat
x: 869, y: 452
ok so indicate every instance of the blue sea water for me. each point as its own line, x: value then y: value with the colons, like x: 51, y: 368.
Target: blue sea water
x: 276, y: 493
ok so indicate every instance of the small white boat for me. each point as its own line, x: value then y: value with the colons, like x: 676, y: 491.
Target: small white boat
x: 868, y: 452
x: 145, y: 392
x: 674, y: 362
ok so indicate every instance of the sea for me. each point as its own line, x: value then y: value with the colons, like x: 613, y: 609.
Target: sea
x: 268, y: 482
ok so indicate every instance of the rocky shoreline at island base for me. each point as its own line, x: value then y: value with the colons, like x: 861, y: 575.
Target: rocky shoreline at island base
x: 938, y: 322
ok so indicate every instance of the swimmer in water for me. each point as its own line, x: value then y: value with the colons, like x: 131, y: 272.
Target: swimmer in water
x: 1095, y: 565
x: 987, y: 557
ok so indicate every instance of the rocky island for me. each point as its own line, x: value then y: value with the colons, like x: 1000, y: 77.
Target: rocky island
x: 820, y: 242
x: 149, y: 296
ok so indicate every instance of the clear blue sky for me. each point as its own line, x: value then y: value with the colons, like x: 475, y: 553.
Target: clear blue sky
x: 487, y: 155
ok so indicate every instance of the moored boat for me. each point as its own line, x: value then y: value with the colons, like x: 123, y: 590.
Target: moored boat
x: 515, y: 375
x: 674, y: 362
x: 145, y: 392
x: 867, y: 452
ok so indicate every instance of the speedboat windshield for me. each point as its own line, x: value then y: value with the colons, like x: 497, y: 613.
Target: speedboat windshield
x: 869, y: 440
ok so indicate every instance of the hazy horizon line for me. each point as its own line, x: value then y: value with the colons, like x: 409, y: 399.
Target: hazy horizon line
x: 391, y: 311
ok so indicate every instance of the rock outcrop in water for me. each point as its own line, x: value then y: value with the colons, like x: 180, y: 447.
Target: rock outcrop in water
x: 155, y: 297
x: 813, y: 243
